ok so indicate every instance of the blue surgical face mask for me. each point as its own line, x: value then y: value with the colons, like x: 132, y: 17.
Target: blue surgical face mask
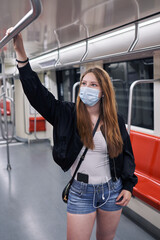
x: 89, y: 96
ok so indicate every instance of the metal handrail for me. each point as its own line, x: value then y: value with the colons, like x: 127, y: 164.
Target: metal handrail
x: 5, y: 111
x: 86, y: 52
x: 136, y: 38
x: 13, y: 117
x: 131, y: 98
x: 4, y: 133
x: 2, y: 94
x: 12, y: 91
x: 36, y: 8
x: 117, y: 80
x: 87, y: 47
x: 58, y: 42
x: 2, y: 88
x: 74, y: 91
x: 35, y: 125
x: 24, y: 116
x: 58, y: 59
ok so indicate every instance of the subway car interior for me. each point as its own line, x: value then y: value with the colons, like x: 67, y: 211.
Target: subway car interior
x: 63, y: 38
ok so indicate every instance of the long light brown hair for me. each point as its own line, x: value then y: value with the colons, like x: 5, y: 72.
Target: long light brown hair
x: 108, y: 114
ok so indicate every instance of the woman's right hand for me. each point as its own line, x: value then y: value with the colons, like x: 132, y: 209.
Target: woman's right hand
x: 17, y: 40
x: 18, y: 46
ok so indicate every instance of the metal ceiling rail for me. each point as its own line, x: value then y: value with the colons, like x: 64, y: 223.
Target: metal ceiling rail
x: 136, y: 38
x: 131, y: 98
x: 87, y: 50
x: 36, y: 8
x: 84, y: 60
x: 58, y: 42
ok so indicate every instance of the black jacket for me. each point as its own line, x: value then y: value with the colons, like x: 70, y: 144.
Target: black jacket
x: 67, y: 143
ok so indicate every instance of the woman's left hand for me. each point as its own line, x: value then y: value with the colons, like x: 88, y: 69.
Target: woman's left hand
x: 123, y: 198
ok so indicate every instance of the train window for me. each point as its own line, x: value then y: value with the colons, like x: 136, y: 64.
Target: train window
x: 65, y: 82
x: 123, y: 74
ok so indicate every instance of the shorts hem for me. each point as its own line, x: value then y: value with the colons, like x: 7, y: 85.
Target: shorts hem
x: 110, y: 209
x: 72, y: 212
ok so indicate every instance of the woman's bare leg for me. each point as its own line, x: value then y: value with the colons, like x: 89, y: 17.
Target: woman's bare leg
x: 107, y: 222
x: 79, y: 226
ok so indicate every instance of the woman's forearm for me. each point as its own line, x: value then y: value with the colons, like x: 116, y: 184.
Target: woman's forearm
x: 20, y: 51
x: 19, y: 48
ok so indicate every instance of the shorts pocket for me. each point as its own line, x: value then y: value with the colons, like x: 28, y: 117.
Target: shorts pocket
x: 117, y: 185
x: 76, y: 191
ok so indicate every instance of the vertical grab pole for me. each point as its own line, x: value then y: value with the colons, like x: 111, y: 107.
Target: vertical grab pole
x: 5, y: 111
x: 74, y: 91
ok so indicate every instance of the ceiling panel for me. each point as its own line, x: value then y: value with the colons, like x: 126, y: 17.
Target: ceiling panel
x: 64, y: 22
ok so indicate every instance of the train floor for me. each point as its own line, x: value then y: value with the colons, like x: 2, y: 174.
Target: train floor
x: 30, y: 197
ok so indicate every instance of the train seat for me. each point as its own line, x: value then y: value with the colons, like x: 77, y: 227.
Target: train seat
x: 8, y: 108
x: 146, y: 151
x: 40, y: 124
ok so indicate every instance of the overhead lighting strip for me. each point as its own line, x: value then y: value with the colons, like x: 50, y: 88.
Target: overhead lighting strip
x: 93, y: 40
x: 44, y: 57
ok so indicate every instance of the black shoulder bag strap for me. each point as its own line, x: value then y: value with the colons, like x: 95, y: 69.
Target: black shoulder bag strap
x: 65, y: 192
x: 84, y: 153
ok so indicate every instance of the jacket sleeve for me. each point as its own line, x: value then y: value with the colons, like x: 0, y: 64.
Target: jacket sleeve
x: 129, y: 179
x: 39, y: 97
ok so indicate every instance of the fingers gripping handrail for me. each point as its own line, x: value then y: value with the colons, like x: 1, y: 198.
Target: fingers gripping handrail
x: 131, y: 98
x: 35, y: 11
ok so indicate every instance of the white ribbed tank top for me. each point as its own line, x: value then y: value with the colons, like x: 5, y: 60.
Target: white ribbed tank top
x: 96, y: 161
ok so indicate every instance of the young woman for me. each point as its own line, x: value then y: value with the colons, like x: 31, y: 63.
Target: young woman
x: 105, y: 179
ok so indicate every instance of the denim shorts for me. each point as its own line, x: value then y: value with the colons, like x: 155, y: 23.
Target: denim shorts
x: 86, y: 198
